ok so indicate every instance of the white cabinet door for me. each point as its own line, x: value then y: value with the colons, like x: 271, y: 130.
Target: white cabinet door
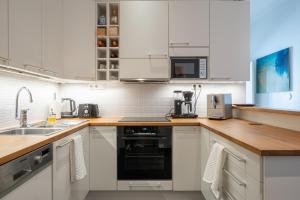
x: 53, y: 37
x: 63, y: 189
x: 25, y: 34
x: 189, y: 23
x: 229, y: 40
x: 36, y: 188
x: 186, y: 159
x: 61, y: 170
x: 144, y: 68
x: 79, y: 39
x: 80, y: 189
x: 4, y: 32
x: 144, y: 29
x: 103, y: 156
x: 205, y: 150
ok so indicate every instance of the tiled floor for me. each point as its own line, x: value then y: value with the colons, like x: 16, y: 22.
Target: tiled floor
x: 145, y: 196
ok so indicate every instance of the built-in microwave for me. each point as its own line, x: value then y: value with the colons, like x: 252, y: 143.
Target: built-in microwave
x: 189, y: 67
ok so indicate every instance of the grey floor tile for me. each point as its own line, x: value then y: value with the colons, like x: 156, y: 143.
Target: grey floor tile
x: 145, y: 196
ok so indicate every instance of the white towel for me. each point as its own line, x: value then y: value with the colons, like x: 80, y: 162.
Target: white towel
x: 77, y: 163
x: 214, y: 169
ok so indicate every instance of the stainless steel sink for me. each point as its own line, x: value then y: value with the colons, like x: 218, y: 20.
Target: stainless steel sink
x: 60, y: 124
x: 31, y: 131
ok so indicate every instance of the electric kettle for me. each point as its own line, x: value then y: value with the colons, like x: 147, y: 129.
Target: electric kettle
x: 68, y: 108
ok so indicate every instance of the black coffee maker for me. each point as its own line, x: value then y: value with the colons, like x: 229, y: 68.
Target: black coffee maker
x: 186, y: 101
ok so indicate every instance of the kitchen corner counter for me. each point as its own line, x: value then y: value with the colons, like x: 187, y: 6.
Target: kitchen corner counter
x: 261, y: 139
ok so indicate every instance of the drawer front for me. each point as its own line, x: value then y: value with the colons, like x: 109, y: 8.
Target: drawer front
x: 234, y: 187
x: 186, y: 129
x: 240, y: 161
x: 145, y: 185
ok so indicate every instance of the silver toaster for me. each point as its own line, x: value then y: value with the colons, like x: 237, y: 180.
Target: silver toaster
x: 219, y: 106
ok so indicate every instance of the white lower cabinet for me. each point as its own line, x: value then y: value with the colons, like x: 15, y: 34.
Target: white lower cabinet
x: 242, y: 174
x: 186, y: 158
x: 37, y: 188
x: 103, y: 156
x: 63, y: 188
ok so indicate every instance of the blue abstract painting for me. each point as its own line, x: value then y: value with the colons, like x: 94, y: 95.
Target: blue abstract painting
x: 273, y: 72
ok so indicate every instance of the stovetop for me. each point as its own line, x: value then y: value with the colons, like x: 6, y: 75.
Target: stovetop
x: 144, y: 119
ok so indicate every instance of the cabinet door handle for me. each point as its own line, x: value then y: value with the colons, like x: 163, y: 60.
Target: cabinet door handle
x: 238, y: 181
x: 157, y: 55
x: 64, y: 144
x: 34, y: 67
x: 179, y: 44
x: 4, y: 59
x: 229, y: 195
x: 51, y: 72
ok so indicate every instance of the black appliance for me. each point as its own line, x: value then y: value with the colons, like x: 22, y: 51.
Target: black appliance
x: 187, y: 102
x: 144, y: 152
x: 189, y: 67
x: 88, y: 111
x: 144, y: 119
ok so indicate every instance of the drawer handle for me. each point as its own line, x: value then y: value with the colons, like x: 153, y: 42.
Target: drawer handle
x: 64, y: 144
x: 238, y: 158
x: 238, y: 181
x: 131, y: 185
x: 180, y: 44
x: 229, y: 195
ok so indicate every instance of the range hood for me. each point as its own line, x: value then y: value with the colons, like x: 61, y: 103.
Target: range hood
x: 144, y: 80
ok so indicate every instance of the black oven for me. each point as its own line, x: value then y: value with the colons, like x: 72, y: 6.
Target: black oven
x: 144, y: 153
x: 189, y: 67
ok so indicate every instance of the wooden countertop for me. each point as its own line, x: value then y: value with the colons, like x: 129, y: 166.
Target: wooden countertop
x: 267, y: 110
x: 263, y: 140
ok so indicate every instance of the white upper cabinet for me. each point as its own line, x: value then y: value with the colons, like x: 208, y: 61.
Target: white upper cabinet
x: 79, y: 39
x: 230, y: 40
x: 189, y: 23
x: 53, y: 37
x: 144, y: 29
x: 3, y: 31
x: 25, y: 34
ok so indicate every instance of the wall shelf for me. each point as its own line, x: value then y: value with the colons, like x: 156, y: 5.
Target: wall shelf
x: 107, y: 37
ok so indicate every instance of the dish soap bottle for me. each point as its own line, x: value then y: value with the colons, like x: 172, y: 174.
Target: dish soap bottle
x: 52, y: 118
x: 55, y: 107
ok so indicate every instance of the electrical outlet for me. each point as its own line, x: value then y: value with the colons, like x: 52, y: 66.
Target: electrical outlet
x: 96, y: 86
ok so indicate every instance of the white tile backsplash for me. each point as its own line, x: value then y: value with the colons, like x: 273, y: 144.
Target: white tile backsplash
x: 42, y: 93
x: 144, y: 100
x: 113, y: 99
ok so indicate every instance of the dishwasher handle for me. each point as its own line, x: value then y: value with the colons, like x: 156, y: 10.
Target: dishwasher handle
x: 21, y: 173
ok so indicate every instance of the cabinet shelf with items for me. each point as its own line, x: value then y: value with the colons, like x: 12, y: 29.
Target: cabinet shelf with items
x: 107, y: 37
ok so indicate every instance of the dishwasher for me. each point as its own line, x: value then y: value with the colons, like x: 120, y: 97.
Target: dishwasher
x: 28, y: 177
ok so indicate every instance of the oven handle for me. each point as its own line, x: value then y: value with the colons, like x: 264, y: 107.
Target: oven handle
x: 144, y: 156
x: 144, y: 138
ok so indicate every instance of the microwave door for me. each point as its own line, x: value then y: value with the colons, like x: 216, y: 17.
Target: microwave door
x: 185, y: 68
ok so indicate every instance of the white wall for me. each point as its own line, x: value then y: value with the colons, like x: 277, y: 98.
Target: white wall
x: 42, y: 93
x: 275, y: 25
x: 144, y: 100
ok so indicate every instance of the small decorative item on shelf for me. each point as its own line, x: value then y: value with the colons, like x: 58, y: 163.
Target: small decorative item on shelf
x: 114, y: 65
x: 101, y: 31
x: 114, y: 54
x: 101, y: 43
x: 113, y: 31
x: 101, y: 65
x: 102, y: 20
x: 114, y: 17
x: 114, y: 43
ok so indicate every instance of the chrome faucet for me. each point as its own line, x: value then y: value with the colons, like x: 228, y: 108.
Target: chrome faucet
x: 23, y: 112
